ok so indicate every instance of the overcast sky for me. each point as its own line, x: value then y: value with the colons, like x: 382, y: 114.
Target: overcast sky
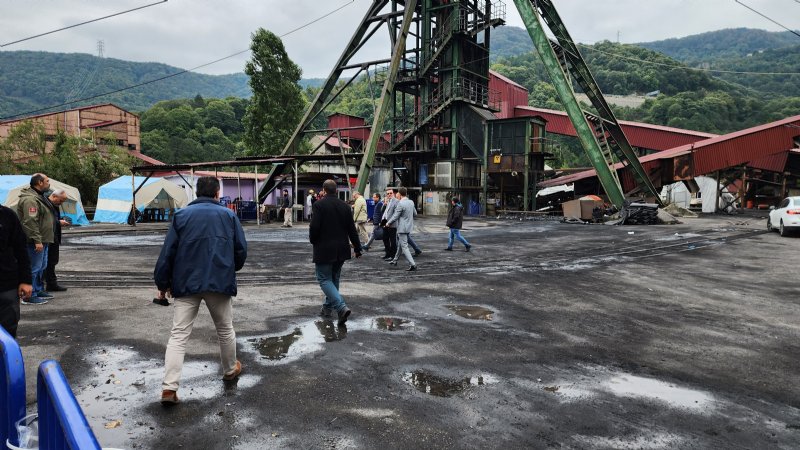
x: 188, y: 33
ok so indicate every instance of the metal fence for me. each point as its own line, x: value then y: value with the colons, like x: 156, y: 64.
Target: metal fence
x: 62, y: 424
x: 13, y: 388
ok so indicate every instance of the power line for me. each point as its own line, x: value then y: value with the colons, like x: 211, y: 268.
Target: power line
x: 82, y: 23
x: 771, y: 20
x: 144, y: 83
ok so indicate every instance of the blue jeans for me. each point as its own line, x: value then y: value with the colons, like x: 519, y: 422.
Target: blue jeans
x: 328, y: 277
x: 38, y: 266
x: 455, y: 233
x: 413, y: 244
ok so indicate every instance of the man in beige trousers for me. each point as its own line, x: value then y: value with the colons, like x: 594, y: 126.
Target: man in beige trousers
x: 360, y: 216
x: 204, y: 248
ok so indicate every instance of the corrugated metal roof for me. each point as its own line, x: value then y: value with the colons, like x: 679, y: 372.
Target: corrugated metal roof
x: 145, y: 158
x: 642, y: 135
x: 733, y: 149
x: 492, y: 73
x: 66, y: 110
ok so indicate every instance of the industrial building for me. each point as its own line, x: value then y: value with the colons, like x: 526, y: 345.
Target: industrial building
x: 98, y: 125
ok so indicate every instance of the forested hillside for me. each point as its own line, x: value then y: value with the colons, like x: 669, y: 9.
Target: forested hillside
x: 199, y: 117
x: 777, y: 63
x: 30, y: 80
x: 728, y: 43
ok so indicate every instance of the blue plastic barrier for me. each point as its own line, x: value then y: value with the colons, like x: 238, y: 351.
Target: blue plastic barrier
x: 13, y: 388
x: 62, y: 424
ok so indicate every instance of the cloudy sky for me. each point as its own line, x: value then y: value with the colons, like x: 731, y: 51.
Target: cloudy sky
x: 189, y: 33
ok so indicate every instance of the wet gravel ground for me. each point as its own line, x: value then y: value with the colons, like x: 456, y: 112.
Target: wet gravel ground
x: 545, y: 335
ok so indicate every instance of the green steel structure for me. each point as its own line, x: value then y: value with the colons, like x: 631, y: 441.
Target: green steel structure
x: 435, y: 108
x: 435, y: 93
x: 600, y: 133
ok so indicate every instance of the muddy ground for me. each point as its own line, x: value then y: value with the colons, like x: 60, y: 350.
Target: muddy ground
x: 545, y: 335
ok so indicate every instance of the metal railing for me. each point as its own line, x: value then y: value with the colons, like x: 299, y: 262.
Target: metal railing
x: 62, y: 424
x: 13, y: 388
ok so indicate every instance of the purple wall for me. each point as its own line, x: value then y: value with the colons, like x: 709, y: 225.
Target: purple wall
x: 230, y: 188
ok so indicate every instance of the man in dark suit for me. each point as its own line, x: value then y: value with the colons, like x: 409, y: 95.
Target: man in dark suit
x: 331, y: 228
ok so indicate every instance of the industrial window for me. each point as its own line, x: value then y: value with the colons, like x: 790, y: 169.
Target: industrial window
x: 442, y: 175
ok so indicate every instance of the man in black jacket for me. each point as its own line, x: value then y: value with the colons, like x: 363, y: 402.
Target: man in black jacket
x: 286, y: 206
x: 331, y: 227
x: 454, y: 222
x: 56, y: 198
x: 15, y: 269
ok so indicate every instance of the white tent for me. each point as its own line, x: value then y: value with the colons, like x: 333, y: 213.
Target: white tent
x: 115, y: 198
x: 11, y: 185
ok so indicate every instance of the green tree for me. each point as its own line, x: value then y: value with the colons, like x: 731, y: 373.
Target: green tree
x: 277, y: 103
x: 27, y: 138
x: 86, y: 171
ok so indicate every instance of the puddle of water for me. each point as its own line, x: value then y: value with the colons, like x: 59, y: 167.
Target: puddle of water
x: 471, y: 312
x: 115, y: 240
x: 633, y: 386
x: 432, y: 384
x: 309, y: 337
x: 123, y: 385
x: 392, y: 324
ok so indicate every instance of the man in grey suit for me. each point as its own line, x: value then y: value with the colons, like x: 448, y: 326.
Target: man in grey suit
x: 389, y: 232
x: 403, y: 219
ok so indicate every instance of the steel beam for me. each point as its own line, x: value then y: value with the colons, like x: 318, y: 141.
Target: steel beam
x: 553, y: 67
x: 398, y: 52
x: 356, y: 42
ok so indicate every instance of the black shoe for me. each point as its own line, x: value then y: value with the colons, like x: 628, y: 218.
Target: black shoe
x: 418, y: 252
x: 468, y: 247
x: 411, y: 269
x: 326, y: 313
x: 449, y: 249
x: 56, y: 288
x: 343, y: 315
x: 161, y: 301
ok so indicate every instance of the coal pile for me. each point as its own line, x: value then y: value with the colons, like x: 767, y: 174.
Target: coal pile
x: 639, y: 214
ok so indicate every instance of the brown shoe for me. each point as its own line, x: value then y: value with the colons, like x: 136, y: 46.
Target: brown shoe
x: 169, y: 397
x: 235, y: 374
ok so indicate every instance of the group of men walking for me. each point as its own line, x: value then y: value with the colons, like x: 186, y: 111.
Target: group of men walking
x: 30, y: 237
x: 205, y: 247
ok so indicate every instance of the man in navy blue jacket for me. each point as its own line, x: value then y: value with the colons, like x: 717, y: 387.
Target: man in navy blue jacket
x: 203, y: 250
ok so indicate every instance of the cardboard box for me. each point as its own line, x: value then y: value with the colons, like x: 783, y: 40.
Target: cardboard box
x: 580, y: 208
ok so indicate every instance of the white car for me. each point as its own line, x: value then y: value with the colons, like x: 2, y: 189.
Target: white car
x: 786, y: 217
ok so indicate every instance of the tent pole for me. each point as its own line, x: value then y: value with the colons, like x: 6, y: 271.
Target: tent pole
x: 294, y: 194
x: 255, y: 196
x: 133, y: 198
x: 239, y: 183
